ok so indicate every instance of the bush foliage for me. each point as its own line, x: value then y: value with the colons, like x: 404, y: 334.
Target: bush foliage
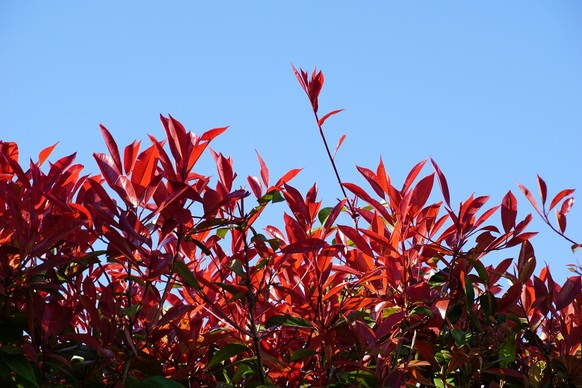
x: 154, y: 274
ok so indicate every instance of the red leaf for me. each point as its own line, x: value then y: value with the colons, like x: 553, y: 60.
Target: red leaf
x: 108, y: 169
x: 357, y: 239
x: 112, y: 147
x: 372, y: 180
x: 508, y: 211
x: 339, y: 143
x: 421, y: 192
x: 144, y: 167
x: 304, y: 246
x: 264, y: 170
x: 566, y: 206
x: 225, y: 173
x: 8, y: 150
x: 322, y: 120
x: 288, y: 176
x: 530, y: 197
x: 442, y: 183
x: 569, y: 292
x: 472, y: 206
x: 543, y: 190
x: 359, y: 192
x: 302, y: 78
x: 129, y: 155
x: 508, y: 299
x: 274, y: 232
x: 44, y: 154
x: 256, y: 187
x: 527, y: 262
x: 561, y: 195
x: 177, y: 138
x: 412, y: 175
x: 561, y: 221
x: 387, y: 326
x: 125, y: 189
x: 212, y: 133
x: 335, y: 212
x: 166, y: 162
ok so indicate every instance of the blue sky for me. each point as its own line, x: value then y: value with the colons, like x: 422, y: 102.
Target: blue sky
x: 491, y: 90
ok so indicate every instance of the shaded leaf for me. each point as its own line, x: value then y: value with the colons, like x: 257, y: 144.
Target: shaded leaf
x: 227, y: 352
x: 281, y: 320
x: 569, y: 291
x: 187, y: 275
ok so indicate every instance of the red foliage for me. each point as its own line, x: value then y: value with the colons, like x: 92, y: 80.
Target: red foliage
x: 152, y: 272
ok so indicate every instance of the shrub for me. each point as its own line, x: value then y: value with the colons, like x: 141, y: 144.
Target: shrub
x: 154, y: 274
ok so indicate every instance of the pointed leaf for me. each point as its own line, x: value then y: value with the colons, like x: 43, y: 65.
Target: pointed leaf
x: 443, y: 183
x: 112, y: 147
x: 569, y: 291
x: 288, y: 176
x: 264, y: 170
x: 307, y: 245
x: 543, y: 190
x: 281, y: 320
x: 129, y: 156
x: 212, y: 133
x: 412, y: 175
x: 530, y: 197
x: 339, y: 143
x: 561, y: 195
x: 372, y: 180
x: 44, y: 154
x: 187, y: 275
x: 227, y: 352
x: 508, y: 211
x: 325, y: 117
x: 107, y: 166
x: 357, y: 239
x: 256, y: 186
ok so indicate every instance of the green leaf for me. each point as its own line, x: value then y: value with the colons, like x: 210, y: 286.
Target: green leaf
x: 281, y: 320
x: 507, y: 352
x: 221, y: 232
x: 421, y: 310
x: 21, y: 366
x: 323, y: 214
x: 237, y: 267
x: 437, y: 279
x: 227, y: 352
x: 273, y: 196
x: 184, y: 272
x: 158, y: 381
x: 202, y: 247
x: 301, y: 354
x: 131, y: 310
x: 243, y: 369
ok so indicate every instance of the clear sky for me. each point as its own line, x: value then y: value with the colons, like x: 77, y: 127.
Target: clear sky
x: 491, y: 90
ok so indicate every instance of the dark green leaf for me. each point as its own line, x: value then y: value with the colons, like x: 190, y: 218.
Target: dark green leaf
x: 21, y: 366
x: 187, y: 275
x: 281, y: 320
x: 323, y: 214
x: 227, y: 352
x: 301, y: 354
x: 237, y: 268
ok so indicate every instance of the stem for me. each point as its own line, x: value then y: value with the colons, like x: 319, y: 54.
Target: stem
x: 335, y: 170
x: 252, y: 303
